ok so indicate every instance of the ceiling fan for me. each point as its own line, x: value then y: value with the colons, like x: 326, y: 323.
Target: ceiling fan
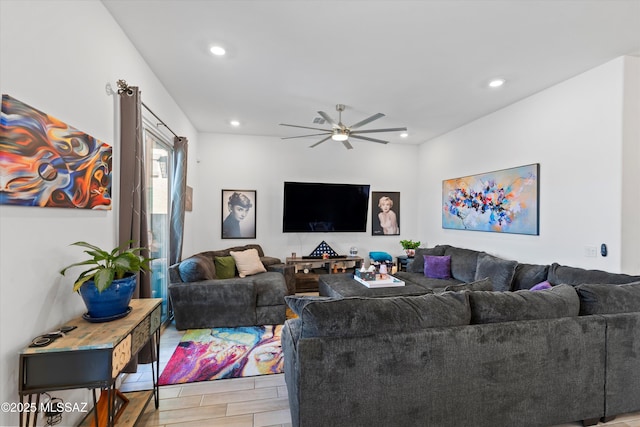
x: 341, y: 132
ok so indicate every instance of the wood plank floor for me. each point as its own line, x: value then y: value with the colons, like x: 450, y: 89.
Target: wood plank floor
x: 242, y: 402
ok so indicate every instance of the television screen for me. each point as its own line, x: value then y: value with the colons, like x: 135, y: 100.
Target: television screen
x: 315, y: 207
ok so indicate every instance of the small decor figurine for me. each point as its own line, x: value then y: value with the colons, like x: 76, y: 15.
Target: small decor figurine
x: 409, y: 247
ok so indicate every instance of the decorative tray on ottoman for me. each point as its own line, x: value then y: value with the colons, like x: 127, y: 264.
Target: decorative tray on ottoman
x: 390, y: 281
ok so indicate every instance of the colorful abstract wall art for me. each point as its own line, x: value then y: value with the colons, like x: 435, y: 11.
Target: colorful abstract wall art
x: 504, y: 201
x: 45, y: 162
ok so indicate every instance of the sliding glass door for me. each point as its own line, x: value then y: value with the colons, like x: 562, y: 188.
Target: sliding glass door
x: 159, y: 158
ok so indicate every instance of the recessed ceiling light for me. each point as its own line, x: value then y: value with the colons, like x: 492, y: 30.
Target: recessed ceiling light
x: 496, y: 83
x: 217, y: 50
x: 404, y: 135
x: 234, y: 123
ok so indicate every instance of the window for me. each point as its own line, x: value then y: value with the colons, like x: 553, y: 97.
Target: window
x: 159, y: 161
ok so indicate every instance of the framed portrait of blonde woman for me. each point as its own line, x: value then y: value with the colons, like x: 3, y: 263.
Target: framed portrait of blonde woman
x: 238, y: 214
x: 385, y: 213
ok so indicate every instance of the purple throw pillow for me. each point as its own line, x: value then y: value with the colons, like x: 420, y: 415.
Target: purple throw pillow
x: 437, y: 267
x: 541, y: 286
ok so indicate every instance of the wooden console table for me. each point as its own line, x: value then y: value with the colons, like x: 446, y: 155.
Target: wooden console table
x: 92, y: 356
x: 308, y: 282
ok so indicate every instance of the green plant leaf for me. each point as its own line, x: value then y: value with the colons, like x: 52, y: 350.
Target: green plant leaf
x: 103, y: 278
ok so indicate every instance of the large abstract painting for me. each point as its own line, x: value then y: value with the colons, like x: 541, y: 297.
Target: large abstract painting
x: 504, y: 201
x: 45, y: 162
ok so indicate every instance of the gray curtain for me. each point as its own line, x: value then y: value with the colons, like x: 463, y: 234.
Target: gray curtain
x: 178, y: 198
x: 132, y: 217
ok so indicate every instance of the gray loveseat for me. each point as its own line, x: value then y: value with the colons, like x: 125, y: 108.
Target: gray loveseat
x: 201, y: 299
x: 480, y: 358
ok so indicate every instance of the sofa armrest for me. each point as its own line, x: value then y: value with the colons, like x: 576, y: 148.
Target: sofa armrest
x: 289, y: 273
x: 213, y: 303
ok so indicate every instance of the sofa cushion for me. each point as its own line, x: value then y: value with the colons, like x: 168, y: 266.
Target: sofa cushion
x: 425, y: 282
x: 437, y: 267
x: 479, y: 285
x: 576, y: 276
x: 269, y: 260
x: 494, y: 307
x: 197, y: 268
x: 500, y: 271
x: 417, y: 266
x: 358, y: 316
x: 607, y: 299
x: 225, y: 267
x: 528, y: 275
x: 463, y: 263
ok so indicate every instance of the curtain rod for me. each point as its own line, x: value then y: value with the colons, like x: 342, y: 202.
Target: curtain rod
x: 124, y: 87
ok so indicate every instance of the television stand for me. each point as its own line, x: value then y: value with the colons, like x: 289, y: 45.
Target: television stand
x: 308, y: 270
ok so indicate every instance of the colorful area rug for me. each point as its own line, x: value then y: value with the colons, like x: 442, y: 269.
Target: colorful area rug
x: 211, y: 354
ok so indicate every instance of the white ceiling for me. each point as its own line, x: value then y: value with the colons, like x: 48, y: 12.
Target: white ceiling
x: 425, y: 64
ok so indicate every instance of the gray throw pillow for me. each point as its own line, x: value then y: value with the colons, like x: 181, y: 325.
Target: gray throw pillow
x: 478, y: 285
x: 359, y: 316
x: 197, y: 268
x: 529, y: 275
x: 609, y: 299
x: 495, y: 307
x: 463, y: 263
x: 500, y: 271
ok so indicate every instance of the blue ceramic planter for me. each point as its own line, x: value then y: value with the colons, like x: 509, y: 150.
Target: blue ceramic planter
x: 111, y: 303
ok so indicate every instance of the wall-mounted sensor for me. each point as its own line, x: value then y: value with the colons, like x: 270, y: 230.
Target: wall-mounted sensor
x: 603, y: 249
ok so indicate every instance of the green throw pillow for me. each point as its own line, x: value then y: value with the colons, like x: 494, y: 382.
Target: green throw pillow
x: 225, y: 267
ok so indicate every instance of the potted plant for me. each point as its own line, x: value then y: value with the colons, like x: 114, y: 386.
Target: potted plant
x: 409, y: 247
x: 108, y: 284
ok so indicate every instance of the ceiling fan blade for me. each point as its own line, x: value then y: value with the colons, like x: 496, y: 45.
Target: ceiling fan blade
x: 368, y: 139
x: 305, y: 127
x: 379, y: 130
x: 347, y: 145
x: 365, y: 121
x: 328, y: 119
x: 319, y: 142
x: 304, y: 136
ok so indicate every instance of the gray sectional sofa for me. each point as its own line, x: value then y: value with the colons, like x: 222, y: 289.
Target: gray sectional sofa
x: 468, y: 357
x: 201, y: 299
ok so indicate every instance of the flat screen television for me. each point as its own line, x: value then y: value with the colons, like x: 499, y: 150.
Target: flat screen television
x: 315, y: 207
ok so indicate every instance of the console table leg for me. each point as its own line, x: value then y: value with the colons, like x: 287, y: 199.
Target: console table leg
x: 29, y: 410
x: 156, y: 377
x: 95, y: 408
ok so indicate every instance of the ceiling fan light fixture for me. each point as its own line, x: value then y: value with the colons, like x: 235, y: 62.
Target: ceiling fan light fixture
x: 217, y: 50
x: 339, y: 135
x: 496, y: 83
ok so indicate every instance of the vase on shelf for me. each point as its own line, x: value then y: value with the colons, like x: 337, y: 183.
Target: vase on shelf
x: 410, y: 252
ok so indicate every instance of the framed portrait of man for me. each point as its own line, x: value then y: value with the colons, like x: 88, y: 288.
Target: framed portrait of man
x: 385, y: 213
x: 238, y: 214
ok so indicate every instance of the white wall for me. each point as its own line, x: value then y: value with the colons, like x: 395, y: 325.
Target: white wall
x: 264, y: 163
x: 630, y: 167
x: 574, y: 130
x: 58, y: 57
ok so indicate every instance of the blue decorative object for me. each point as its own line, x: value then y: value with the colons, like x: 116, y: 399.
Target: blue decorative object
x: 111, y: 302
x: 380, y: 256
